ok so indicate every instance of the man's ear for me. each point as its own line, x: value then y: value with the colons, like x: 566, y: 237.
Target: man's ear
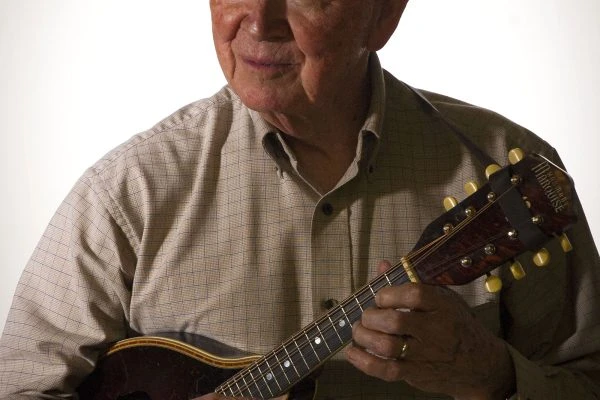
x: 385, y: 21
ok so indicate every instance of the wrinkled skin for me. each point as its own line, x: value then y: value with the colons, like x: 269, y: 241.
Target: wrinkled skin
x: 448, y: 350
x: 296, y: 58
x: 302, y: 64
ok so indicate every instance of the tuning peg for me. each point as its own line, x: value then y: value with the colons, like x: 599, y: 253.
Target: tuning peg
x: 471, y: 187
x: 493, y: 284
x: 565, y: 243
x: 541, y: 258
x: 449, y: 203
x: 515, y: 155
x: 490, y: 169
x: 517, y: 270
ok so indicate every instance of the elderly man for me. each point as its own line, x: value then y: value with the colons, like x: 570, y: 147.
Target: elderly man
x: 248, y: 215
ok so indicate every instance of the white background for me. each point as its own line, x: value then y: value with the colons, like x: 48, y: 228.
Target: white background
x: 78, y: 77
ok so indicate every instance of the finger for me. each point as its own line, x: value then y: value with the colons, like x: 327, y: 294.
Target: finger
x: 412, y: 296
x: 383, y: 266
x: 379, y: 343
x: 389, y: 370
x: 400, y: 322
x: 389, y: 320
x: 431, y: 336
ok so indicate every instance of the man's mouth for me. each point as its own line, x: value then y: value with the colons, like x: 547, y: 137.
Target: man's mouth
x: 267, y: 64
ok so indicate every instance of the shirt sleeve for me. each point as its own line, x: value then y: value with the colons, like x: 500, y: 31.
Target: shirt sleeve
x: 554, y: 325
x: 535, y: 381
x: 71, y: 300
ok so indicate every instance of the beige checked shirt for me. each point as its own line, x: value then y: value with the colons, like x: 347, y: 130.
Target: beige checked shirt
x: 202, y: 224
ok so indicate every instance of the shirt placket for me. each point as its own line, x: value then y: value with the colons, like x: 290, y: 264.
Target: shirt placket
x: 331, y: 254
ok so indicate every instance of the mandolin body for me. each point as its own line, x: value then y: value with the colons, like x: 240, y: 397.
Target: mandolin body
x: 170, y: 367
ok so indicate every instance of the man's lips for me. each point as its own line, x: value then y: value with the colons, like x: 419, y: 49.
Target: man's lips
x: 267, y: 64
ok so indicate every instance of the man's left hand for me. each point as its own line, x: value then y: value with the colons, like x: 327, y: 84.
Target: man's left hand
x: 427, y: 336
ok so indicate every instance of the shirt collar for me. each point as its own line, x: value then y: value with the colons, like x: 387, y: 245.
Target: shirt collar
x: 375, y: 114
x: 370, y: 133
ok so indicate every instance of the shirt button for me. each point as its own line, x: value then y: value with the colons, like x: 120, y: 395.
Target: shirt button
x: 327, y: 208
x: 330, y: 303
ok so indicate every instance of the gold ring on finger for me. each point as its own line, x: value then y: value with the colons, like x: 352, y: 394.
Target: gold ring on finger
x: 403, y: 350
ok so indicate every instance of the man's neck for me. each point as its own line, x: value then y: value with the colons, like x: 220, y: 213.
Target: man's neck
x: 324, y: 143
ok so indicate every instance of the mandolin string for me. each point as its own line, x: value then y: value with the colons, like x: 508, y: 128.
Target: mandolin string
x: 242, y: 383
x: 277, y: 370
x: 423, y: 252
x: 239, y: 379
x: 350, y: 307
x: 464, y: 223
x: 416, y: 256
x: 298, y: 348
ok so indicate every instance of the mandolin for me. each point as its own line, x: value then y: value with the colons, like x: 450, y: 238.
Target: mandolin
x: 520, y: 208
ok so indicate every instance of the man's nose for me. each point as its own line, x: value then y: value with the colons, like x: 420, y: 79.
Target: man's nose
x: 267, y: 20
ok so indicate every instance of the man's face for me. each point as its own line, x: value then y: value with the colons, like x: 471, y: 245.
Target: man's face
x: 286, y: 56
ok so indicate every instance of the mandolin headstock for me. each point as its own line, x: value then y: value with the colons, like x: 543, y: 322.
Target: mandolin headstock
x: 520, y: 208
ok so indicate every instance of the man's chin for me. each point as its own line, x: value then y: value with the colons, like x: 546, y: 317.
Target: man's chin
x: 265, y: 103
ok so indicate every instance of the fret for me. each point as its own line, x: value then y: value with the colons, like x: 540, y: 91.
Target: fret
x: 324, y: 339
x: 311, y: 346
x: 343, y: 324
x: 266, y: 377
x: 335, y: 329
x: 293, y: 364
x: 237, y: 386
x: 301, y: 355
x: 398, y: 275
x: 236, y: 379
x: 380, y: 283
x: 372, y: 291
x: 278, y: 362
x: 345, y: 316
x: 228, y: 388
x: 385, y: 275
x: 366, y: 297
x: 352, y: 311
x: 254, y: 381
x: 358, y: 302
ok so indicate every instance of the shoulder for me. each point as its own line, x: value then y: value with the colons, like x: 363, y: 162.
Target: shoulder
x: 176, y: 141
x: 156, y: 169
x: 168, y: 155
x: 189, y: 127
x: 493, y: 132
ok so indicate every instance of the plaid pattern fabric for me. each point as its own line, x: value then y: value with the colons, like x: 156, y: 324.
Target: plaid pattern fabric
x: 202, y: 224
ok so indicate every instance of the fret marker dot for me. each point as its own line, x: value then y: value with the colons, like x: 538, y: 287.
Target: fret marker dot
x: 342, y: 323
x: 317, y: 340
x: 287, y: 363
x: 269, y: 376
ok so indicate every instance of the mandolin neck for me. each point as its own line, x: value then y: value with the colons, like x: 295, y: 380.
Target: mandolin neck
x: 279, y: 370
